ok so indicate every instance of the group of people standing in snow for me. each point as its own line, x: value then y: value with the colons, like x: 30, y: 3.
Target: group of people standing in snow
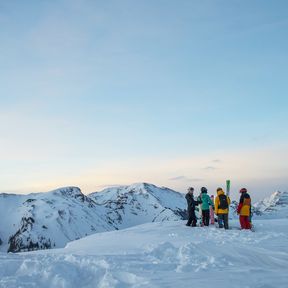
x: 219, y: 207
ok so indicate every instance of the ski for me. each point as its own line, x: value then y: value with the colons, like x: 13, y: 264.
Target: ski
x: 228, y: 187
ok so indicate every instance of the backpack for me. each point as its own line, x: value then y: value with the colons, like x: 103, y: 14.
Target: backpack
x: 223, y: 202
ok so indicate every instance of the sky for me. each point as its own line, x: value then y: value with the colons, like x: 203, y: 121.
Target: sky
x: 174, y: 93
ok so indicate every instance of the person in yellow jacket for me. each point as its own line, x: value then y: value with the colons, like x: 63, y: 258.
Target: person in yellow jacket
x: 244, y: 209
x: 222, y: 203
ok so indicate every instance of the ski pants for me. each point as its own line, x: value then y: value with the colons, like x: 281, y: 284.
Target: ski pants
x: 245, y: 222
x: 206, y: 217
x: 191, y: 218
x: 223, y: 219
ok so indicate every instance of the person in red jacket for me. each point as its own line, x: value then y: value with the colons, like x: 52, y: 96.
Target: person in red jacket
x: 244, y: 209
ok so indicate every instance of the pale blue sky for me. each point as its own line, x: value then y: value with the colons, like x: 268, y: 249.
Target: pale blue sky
x: 97, y: 93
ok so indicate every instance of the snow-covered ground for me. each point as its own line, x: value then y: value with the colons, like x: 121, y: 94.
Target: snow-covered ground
x: 163, y: 254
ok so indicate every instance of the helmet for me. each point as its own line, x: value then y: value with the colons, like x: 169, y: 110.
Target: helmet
x: 243, y: 190
x: 190, y: 189
x: 204, y: 190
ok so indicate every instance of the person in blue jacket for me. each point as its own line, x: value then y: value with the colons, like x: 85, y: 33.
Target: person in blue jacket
x: 205, y: 206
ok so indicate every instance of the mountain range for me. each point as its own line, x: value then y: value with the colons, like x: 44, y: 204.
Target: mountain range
x: 52, y: 219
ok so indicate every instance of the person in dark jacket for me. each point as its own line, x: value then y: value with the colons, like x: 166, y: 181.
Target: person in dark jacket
x: 191, y: 203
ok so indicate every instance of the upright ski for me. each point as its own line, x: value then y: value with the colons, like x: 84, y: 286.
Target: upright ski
x: 228, y: 187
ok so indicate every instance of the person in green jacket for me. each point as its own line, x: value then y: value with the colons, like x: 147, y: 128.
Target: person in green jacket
x: 205, y: 206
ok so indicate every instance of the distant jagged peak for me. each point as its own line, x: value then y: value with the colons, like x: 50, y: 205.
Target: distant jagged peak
x: 149, y: 186
x: 135, y: 188
x: 121, y: 189
x: 140, y: 192
x: 152, y: 189
x: 69, y: 191
x: 276, y: 199
x: 142, y: 187
x: 138, y: 186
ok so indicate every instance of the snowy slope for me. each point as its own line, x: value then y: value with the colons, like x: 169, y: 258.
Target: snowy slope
x: 274, y: 206
x: 45, y: 220
x: 127, y: 206
x: 162, y: 254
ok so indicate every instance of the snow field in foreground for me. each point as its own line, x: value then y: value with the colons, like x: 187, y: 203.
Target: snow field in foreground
x: 166, y: 254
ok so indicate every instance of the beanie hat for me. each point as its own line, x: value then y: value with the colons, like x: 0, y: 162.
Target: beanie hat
x: 243, y: 190
x: 204, y: 190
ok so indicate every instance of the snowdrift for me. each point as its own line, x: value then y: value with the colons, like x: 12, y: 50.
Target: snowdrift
x: 164, y: 254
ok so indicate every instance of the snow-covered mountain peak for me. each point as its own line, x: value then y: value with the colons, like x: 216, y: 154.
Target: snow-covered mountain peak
x: 276, y: 204
x: 70, y: 193
x: 278, y: 198
x: 135, y: 188
x: 140, y: 203
x: 165, y: 196
x: 139, y: 187
x: 46, y: 220
x: 67, y: 192
x: 144, y: 187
